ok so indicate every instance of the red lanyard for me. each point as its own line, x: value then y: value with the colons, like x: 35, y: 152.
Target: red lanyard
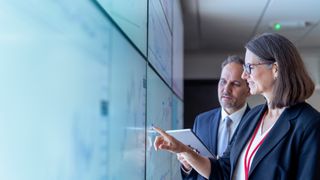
x: 247, y: 163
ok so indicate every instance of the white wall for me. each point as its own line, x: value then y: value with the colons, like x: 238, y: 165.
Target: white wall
x: 204, y: 65
x: 312, y: 62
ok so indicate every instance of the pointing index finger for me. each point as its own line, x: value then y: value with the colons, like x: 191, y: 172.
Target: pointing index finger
x: 161, y: 132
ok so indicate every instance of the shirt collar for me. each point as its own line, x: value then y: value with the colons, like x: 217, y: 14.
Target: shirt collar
x: 236, y: 116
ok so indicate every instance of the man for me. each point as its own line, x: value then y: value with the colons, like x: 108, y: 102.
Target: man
x: 216, y: 128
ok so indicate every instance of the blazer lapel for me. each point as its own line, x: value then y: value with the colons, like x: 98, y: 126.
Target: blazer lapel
x: 243, y: 136
x: 214, y: 128
x: 275, y: 135
x: 237, y: 129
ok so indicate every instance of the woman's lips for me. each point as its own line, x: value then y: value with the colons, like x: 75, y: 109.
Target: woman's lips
x: 250, y: 83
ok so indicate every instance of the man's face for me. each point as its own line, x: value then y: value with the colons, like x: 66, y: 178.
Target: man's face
x: 232, y: 89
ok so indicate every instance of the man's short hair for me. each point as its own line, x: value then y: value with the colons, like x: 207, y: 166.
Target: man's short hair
x: 232, y: 59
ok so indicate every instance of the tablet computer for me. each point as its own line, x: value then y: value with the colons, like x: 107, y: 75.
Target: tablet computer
x: 188, y: 137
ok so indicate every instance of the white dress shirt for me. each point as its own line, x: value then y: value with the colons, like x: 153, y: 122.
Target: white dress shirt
x: 235, y: 117
x: 239, y: 172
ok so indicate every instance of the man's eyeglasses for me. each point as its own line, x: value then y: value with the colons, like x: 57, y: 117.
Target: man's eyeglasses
x: 248, y: 67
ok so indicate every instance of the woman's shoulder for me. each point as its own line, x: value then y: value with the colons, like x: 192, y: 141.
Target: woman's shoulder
x: 308, y: 116
x: 306, y: 110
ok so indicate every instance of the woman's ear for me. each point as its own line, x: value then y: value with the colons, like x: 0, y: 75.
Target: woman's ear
x: 275, y: 70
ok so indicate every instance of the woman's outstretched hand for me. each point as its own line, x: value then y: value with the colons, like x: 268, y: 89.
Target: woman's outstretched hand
x: 168, y: 143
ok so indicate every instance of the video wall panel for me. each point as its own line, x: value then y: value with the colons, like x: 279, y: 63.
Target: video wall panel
x: 79, y: 92
x: 55, y: 90
x: 177, y: 54
x: 177, y: 123
x: 160, y: 41
x: 126, y: 130
x: 159, y: 114
x: 131, y: 16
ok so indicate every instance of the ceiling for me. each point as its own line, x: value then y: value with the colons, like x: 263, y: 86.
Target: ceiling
x: 226, y: 25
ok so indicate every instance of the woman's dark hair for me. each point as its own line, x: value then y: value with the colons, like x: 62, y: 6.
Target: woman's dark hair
x: 293, y: 84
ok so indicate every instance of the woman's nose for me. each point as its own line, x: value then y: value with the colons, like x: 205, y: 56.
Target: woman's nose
x: 244, y: 75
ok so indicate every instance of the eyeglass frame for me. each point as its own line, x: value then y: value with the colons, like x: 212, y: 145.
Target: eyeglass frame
x: 247, y: 67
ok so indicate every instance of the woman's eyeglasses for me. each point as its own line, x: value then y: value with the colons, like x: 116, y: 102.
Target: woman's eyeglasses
x: 248, y: 67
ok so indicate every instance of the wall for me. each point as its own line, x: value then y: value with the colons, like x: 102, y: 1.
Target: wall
x: 206, y: 65
x: 311, y: 58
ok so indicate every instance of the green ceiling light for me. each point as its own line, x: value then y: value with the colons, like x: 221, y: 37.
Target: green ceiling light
x: 277, y: 26
x: 289, y: 25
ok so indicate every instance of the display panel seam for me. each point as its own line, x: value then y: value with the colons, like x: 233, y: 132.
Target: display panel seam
x: 107, y: 15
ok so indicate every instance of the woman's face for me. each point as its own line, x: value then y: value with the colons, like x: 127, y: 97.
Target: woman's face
x: 259, y: 74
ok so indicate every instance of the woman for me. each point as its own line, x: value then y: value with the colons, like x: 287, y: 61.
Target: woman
x: 277, y: 140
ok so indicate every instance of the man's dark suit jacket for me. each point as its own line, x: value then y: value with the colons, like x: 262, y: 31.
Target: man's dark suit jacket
x: 206, y: 127
x: 291, y: 150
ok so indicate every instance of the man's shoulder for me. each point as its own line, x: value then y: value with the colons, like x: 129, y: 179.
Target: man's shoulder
x: 206, y: 119
x: 210, y: 113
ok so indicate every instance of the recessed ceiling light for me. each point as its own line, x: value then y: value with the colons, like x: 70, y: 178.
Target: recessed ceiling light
x: 282, y: 25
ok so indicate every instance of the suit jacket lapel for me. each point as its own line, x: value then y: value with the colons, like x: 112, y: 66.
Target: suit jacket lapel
x: 278, y: 132
x: 237, y: 129
x: 243, y: 136
x: 214, y: 128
